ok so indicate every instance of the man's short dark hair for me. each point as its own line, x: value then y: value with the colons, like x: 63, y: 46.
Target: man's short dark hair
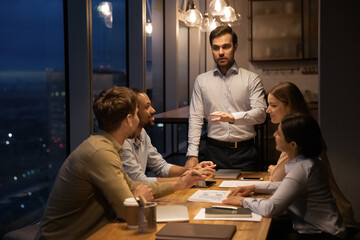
x: 112, y: 107
x: 222, y: 30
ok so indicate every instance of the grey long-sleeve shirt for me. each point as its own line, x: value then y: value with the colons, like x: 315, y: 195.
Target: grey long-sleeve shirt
x: 305, y: 193
x: 139, y: 154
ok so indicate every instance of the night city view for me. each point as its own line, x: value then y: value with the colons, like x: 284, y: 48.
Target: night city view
x: 33, y: 132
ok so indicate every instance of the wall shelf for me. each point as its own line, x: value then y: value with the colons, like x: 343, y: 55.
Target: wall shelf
x: 283, y: 30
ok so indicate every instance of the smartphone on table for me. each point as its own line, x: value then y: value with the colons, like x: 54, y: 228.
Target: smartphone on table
x: 204, y: 184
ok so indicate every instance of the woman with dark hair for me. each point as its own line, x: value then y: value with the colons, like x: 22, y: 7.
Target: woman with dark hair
x: 286, y: 98
x: 305, y: 191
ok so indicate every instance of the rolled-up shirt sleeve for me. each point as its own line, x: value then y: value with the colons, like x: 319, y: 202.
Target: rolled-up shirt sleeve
x: 257, y: 114
x: 285, y: 194
x: 155, y: 161
x: 196, y: 120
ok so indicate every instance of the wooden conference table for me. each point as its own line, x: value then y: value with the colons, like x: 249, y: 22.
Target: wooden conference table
x: 244, y: 230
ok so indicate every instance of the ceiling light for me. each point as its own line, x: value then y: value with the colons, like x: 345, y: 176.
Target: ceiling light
x: 104, y: 9
x: 216, y: 7
x: 192, y: 17
x: 229, y: 14
x: 208, y: 24
x: 148, y: 28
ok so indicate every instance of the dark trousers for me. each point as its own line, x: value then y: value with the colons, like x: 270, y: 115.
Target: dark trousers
x: 244, y: 157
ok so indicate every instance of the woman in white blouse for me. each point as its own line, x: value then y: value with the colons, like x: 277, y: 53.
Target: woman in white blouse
x: 305, y: 191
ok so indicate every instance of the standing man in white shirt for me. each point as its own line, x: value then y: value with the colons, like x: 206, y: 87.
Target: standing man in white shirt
x: 231, y: 100
x: 139, y: 154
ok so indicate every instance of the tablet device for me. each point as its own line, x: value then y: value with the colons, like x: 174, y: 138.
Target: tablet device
x: 172, y: 213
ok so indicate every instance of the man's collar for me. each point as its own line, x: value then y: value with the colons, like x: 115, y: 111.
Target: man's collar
x: 116, y: 144
x: 233, y: 69
x: 138, y: 140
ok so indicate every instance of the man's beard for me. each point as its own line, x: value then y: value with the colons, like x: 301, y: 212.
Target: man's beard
x: 149, y: 123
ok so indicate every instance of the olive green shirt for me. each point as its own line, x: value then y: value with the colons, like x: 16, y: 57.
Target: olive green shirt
x: 89, y: 190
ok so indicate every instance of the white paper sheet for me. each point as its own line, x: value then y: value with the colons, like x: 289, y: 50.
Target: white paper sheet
x: 232, y: 184
x: 213, y: 196
x: 201, y: 216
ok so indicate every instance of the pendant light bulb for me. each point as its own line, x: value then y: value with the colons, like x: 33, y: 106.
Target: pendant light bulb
x: 148, y: 28
x: 214, y: 24
x: 208, y: 23
x: 216, y: 7
x: 229, y: 15
x: 205, y: 23
x: 104, y: 9
x: 192, y: 17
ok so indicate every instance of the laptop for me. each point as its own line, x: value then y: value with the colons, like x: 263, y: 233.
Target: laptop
x: 172, y: 213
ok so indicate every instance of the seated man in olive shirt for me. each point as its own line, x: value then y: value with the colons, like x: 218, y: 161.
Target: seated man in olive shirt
x: 91, y: 185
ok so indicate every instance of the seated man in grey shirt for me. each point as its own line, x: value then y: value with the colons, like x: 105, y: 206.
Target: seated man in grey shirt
x: 139, y: 154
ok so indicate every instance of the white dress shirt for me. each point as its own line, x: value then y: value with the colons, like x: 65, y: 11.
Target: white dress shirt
x: 240, y: 93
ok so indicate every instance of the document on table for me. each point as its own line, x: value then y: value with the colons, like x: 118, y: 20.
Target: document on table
x: 232, y: 184
x: 201, y: 216
x: 213, y: 196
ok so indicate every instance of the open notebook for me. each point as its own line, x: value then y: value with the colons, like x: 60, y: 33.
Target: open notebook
x: 172, y: 213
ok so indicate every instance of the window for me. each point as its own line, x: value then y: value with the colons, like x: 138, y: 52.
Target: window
x: 32, y: 107
x: 109, y: 45
x: 154, y: 66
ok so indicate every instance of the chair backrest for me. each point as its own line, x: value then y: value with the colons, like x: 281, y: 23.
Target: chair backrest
x: 25, y: 233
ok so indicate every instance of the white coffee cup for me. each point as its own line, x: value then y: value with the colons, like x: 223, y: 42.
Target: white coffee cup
x: 131, y: 213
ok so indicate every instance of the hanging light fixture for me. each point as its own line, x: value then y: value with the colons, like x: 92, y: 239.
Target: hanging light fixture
x: 208, y: 24
x: 192, y: 17
x: 148, y: 26
x: 216, y: 7
x: 229, y: 15
x: 214, y: 24
x: 205, y: 23
x: 236, y: 22
x: 105, y: 11
x: 219, y: 13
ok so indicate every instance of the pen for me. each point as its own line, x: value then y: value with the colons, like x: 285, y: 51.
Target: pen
x: 224, y: 207
x: 138, y: 201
